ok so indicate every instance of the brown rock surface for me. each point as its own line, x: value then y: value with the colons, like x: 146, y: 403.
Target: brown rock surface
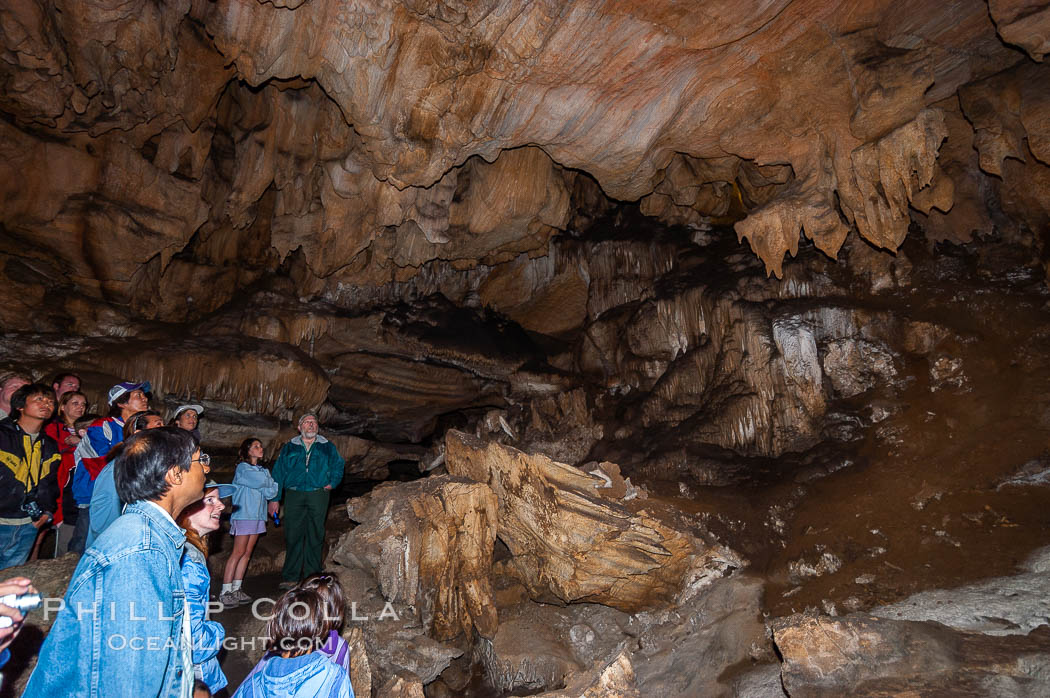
x: 429, y: 544
x: 1025, y: 23
x: 539, y: 646
x: 613, y: 679
x: 373, y: 138
x: 570, y: 544
x: 861, y: 655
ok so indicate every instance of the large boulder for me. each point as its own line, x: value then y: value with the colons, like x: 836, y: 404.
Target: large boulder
x: 570, y: 543
x: 863, y: 655
x: 612, y: 679
x: 386, y: 638
x: 555, y: 648
x: 540, y: 646
x: 429, y: 544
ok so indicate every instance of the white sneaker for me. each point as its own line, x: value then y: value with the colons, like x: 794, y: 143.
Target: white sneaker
x: 229, y: 599
x: 242, y: 597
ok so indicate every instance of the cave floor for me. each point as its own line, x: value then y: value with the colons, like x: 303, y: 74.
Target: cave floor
x: 923, y: 500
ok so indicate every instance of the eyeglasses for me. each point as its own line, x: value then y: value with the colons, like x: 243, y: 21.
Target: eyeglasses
x: 204, y: 460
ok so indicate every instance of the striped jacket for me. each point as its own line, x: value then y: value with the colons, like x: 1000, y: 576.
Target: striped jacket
x: 29, y: 472
x: 103, y: 434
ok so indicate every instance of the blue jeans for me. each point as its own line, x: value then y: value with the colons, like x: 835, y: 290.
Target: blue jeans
x: 16, y: 542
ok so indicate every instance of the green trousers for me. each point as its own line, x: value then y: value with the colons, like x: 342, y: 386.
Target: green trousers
x: 304, y: 516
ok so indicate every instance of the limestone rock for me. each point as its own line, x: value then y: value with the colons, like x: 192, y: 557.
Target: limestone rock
x: 258, y: 377
x: 394, y: 643
x: 538, y: 646
x: 855, y: 366
x: 860, y: 654
x: 360, y: 668
x: 401, y: 686
x: 1014, y: 605
x: 761, y: 682
x: 366, y: 141
x: 570, y: 544
x: 429, y: 544
x: 614, y: 679
x: 1025, y: 23
x: 720, y: 629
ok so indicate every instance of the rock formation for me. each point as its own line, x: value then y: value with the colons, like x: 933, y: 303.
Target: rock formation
x: 335, y: 161
x: 525, y: 221
x: 869, y: 656
x: 430, y: 544
x: 375, y: 138
x: 569, y: 543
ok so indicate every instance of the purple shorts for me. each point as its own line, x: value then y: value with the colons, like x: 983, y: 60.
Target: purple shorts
x: 246, y: 527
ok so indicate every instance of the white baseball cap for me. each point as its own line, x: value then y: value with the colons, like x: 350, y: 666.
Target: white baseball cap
x: 196, y: 408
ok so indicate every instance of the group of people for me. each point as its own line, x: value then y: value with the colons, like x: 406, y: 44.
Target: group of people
x: 131, y: 493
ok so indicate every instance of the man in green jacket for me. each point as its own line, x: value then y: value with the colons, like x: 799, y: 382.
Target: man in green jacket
x: 306, y: 471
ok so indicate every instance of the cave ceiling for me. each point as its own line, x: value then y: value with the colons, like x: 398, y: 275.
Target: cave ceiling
x: 275, y: 170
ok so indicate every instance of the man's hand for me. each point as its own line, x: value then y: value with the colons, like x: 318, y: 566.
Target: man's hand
x: 15, y: 585
x: 328, y: 487
x: 42, y: 521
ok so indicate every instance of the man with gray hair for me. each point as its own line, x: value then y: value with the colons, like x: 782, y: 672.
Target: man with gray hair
x: 9, y: 383
x: 307, y: 470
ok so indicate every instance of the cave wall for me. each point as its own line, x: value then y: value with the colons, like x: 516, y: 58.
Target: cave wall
x: 324, y: 197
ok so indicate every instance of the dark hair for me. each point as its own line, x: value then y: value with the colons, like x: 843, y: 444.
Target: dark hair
x: 298, y: 623
x: 85, y: 421
x: 64, y: 400
x: 199, y: 685
x: 242, y: 452
x: 145, y: 459
x: 117, y: 408
x: 327, y: 585
x: 58, y: 379
x: 18, y: 400
x: 137, y: 422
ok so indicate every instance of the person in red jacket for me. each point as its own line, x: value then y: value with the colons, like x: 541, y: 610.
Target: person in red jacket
x: 72, y: 405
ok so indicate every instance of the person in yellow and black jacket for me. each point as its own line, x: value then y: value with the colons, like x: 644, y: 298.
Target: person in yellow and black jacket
x: 29, y: 461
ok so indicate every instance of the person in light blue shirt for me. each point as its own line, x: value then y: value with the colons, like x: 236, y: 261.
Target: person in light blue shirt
x: 123, y: 628
x: 105, y: 505
x: 255, y: 486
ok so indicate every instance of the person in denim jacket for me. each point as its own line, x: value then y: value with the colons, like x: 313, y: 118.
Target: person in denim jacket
x: 123, y: 627
x: 200, y: 519
x: 255, y: 485
x: 105, y: 506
